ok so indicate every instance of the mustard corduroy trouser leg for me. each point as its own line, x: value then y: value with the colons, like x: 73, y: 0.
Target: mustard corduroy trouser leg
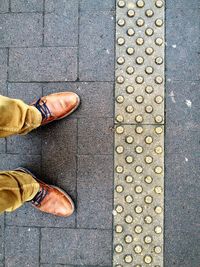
x: 16, y: 187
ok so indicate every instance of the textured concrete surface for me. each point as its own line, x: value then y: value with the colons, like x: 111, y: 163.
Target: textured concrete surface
x: 30, y: 238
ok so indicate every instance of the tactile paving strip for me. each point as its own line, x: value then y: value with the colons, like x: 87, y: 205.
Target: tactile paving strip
x: 139, y: 68
x: 139, y: 134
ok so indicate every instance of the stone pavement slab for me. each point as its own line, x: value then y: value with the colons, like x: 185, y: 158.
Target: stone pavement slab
x: 61, y: 24
x: 96, y: 46
x: 12, y: 161
x: 25, y: 241
x: 4, y: 6
x: 78, y: 247
x: 30, y: 217
x: 43, y: 64
x: 95, y: 136
x: 26, y: 5
x: 95, y: 192
x: 97, y: 5
x: 96, y: 97
x: 178, y: 35
x: 20, y: 30
x: 182, y: 102
x: 3, y: 66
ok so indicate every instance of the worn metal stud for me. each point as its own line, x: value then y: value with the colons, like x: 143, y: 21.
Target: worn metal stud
x: 140, y: 60
x: 121, y: 41
x: 140, y: 3
x: 129, y: 139
x: 120, y: 60
x: 121, y: 22
x: 149, y: 13
x: 129, y: 109
x: 130, y: 89
x: 121, y: 3
x: 139, y: 41
x: 120, y: 99
x: 130, y: 32
x: 131, y: 13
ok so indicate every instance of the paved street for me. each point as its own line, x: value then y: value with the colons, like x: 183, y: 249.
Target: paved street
x: 61, y: 45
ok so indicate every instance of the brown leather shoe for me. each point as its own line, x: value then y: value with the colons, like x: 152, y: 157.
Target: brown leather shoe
x: 51, y: 199
x: 56, y: 106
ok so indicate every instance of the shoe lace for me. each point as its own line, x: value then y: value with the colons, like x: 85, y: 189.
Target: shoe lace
x: 39, y: 197
x: 43, y: 108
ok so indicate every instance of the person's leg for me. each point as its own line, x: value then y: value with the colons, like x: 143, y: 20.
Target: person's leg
x: 20, y: 186
x: 16, y: 117
x: 16, y: 188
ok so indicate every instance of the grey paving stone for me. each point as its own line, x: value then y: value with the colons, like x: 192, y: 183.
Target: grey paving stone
x: 182, y: 191
x: 182, y: 27
x: 59, y: 148
x: 21, y: 247
x: 2, y: 145
x: 1, y: 237
x: 182, y: 102
x: 96, y: 52
x: 181, y: 209
x: 43, y: 64
x: 96, y: 97
x: 20, y: 30
x: 61, y: 25
x: 97, y: 5
x: 182, y: 4
x: 4, y: 6
x: 95, y: 136
x: 3, y: 67
x: 28, y: 92
x: 61, y: 265
x: 12, y: 161
x: 78, y: 247
x: 94, y: 188
x: 61, y: 6
x: 182, y: 248
x: 182, y: 138
x: 26, y: 145
x: 182, y: 64
x: 26, y: 5
x: 29, y: 216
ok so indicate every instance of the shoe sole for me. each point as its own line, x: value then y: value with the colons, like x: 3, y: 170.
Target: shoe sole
x: 59, y: 189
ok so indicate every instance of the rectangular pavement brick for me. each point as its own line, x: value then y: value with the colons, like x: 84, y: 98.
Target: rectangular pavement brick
x: 59, y: 148
x: 61, y: 24
x: 96, y: 97
x: 26, y: 5
x: 2, y: 145
x: 183, y: 27
x: 91, y: 5
x: 182, y: 248
x: 75, y: 246
x: 21, y: 247
x: 96, y: 52
x: 12, y: 161
x: 4, y: 6
x: 183, y: 138
x: 61, y: 6
x: 182, y: 4
x: 28, y: 92
x: 1, y: 237
x: 43, y: 64
x: 182, y: 64
x: 20, y: 30
x: 3, y: 66
x: 95, y: 136
x: 29, y: 216
x: 94, y: 187
x: 182, y: 102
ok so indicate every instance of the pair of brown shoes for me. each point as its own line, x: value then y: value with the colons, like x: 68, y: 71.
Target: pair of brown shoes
x: 51, y: 199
